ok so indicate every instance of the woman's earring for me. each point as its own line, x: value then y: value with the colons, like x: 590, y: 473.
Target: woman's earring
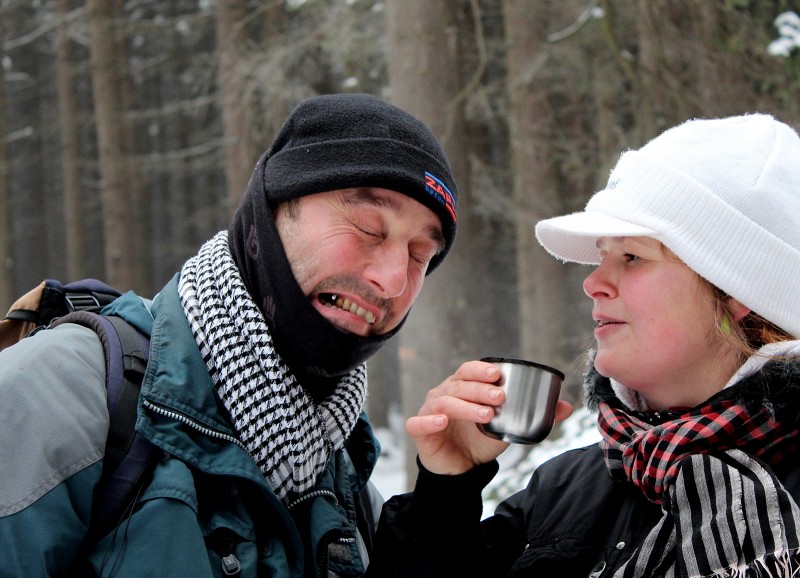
x: 725, y: 324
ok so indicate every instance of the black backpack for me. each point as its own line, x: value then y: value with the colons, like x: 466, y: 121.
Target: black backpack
x: 129, y: 458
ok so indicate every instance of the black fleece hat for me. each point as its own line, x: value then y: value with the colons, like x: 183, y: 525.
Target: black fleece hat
x: 341, y: 141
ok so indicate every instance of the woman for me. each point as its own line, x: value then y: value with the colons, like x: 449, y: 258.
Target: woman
x: 695, y: 376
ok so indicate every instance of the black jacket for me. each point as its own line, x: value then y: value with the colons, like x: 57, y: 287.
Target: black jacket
x: 572, y: 521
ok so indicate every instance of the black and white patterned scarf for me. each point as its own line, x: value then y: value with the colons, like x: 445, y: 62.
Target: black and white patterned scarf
x: 286, y: 433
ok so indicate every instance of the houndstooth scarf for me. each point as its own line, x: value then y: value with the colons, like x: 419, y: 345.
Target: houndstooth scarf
x: 285, y: 432
x: 724, y: 513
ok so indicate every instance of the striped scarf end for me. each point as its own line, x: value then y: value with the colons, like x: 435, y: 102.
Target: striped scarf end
x: 775, y: 565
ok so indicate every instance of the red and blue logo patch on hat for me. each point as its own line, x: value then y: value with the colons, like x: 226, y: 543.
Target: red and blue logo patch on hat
x: 439, y: 191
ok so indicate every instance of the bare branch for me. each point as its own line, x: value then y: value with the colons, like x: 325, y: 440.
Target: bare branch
x: 586, y: 14
x: 42, y: 30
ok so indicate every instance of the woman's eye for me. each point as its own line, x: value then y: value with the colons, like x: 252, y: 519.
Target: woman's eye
x: 630, y: 257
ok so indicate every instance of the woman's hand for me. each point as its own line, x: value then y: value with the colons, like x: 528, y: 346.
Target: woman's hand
x: 445, y: 432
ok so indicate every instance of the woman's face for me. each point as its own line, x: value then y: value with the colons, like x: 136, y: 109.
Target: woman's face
x: 655, y: 327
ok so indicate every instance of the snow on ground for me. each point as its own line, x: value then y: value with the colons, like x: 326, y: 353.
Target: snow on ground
x: 390, y: 475
x: 516, y: 464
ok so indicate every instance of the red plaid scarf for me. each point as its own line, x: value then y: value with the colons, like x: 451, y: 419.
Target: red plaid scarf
x: 649, y: 455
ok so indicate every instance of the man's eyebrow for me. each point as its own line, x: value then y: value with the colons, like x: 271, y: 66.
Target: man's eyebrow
x: 435, y: 233
x: 368, y: 196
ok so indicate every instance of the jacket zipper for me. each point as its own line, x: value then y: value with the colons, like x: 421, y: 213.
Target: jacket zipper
x: 322, y: 566
x: 313, y: 494
x: 191, y: 423
x: 230, y: 563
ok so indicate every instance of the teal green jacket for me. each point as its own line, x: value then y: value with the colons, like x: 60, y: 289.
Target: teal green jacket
x: 207, y: 502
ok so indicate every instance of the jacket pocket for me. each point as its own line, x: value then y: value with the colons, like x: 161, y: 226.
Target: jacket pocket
x: 563, y: 558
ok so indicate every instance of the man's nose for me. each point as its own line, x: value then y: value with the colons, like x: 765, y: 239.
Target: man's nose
x: 388, y: 270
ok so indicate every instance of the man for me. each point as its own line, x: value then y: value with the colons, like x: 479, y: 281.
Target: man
x: 256, y: 379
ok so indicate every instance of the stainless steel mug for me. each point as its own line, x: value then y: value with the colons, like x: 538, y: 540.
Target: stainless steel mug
x: 528, y: 412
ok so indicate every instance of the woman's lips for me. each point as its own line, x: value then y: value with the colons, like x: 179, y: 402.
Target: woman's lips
x: 605, y: 326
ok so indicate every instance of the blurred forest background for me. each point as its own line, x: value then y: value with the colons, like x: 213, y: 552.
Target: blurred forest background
x: 129, y: 129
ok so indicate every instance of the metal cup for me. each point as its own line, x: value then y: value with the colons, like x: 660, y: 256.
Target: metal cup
x: 528, y: 412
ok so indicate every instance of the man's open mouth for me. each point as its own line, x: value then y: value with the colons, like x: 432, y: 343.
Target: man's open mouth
x: 338, y: 302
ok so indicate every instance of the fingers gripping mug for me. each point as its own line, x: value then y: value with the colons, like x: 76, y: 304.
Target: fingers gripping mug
x: 528, y: 412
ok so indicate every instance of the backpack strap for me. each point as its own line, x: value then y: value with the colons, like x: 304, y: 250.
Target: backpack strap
x: 365, y: 518
x: 129, y: 457
x: 51, y: 299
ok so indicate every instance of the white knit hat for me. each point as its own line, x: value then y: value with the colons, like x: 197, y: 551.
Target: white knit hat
x: 722, y: 194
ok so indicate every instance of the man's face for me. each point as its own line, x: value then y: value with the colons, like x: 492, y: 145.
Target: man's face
x: 360, y: 255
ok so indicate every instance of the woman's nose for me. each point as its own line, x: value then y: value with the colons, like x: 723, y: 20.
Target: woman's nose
x: 599, y: 283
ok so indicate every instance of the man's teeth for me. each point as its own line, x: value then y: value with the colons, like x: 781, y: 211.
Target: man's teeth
x: 348, y: 305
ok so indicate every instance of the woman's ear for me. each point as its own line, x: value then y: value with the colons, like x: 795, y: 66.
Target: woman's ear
x: 738, y: 311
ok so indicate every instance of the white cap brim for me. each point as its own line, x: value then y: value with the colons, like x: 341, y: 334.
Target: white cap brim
x: 574, y: 237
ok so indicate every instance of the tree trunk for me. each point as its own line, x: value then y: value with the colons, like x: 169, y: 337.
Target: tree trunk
x: 6, y: 229
x: 384, y: 385
x: 652, y: 90
x: 453, y: 315
x: 140, y: 250
x: 541, y: 285
x: 70, y: 148
x: 121, y: 205
x: 239, y: 156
